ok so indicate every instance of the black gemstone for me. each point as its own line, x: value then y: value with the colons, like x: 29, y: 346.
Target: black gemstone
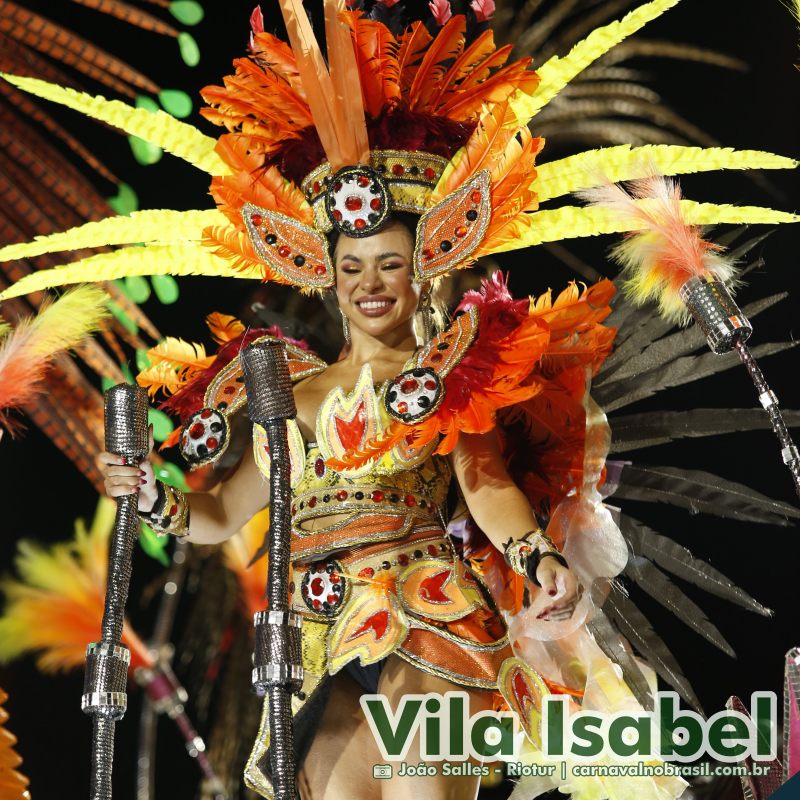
x: 422, y: 504
x: 291, y: 587
x: 240, y: 379
x: 270, y: 238
x: 386, y: 565
x: 472, y: 215
x: 392, y: 396
x: 442, y: 345
x: 216, y: 427
x: 418, y: 373
x: 299, y: 261
x: 446, y: 246
x: 326, y: 606
x: 329, y: 569
x: 414, y: 170
x: 418, y: 554
x: 337, y: 588
x: 222, y: 406
x: 302, y: 504
x: 202, y: 450
x: 326, y: 498
x: 359, y: 495
x: 423, y: 401
x: 372, y: 217
x: 394, y: 498
x: 381, y: 167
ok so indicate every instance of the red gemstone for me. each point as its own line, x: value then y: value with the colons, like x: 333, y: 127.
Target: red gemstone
x: 402, y: 559
x: 461, y: 231
x: 409, y: 385
x: 316, y: 585
x: 229, y: 389
x: 433, y: 550
x: 437, y: 357
x: 402, y: 407
x: 429, y: 173
x: 430, y: 385
x: 334, y: 578
x: 206, y: 413
x: 197, y: 430
x: 410, y: 500
x: 337, y: 187
x: 284, y: 251
x: 398, y: 169
x: 428, y: 253
x: 360, y: 224
x: 353, y: 203
x: 367, y: 572
x: 173, y: 510
x: 312, y: 501
x: 319, y: 270
x: 332, y: 599
x: 475, y: 196
x: 319, y: 467
x: 341, y: 495
x: 316, y: 604
x: 363, y: 181
x: 294, y: 510
x: 212, y: 443
x: 337, y: 215
x: 377, y: 496
x: 317, y: 187
x: 256, y: 219
x: 375, y: 204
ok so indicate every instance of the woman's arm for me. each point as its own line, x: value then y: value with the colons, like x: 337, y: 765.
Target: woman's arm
x: 213, y: 516
x: 500, y: 509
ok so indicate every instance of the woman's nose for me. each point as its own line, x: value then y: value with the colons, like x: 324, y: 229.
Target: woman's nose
x: 371, y: 280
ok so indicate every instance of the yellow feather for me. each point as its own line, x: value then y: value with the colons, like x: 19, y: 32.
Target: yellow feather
x: 158, y: 128
x: 142, y: 226
x: 173, y: 363
x: 573, y: 222
x: 625, y: 163
x: 557, y: 72
x: 160, y: 378
x: 153, y: 259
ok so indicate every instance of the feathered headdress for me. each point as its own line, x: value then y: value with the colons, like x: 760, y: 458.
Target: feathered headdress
x: 408, y: 122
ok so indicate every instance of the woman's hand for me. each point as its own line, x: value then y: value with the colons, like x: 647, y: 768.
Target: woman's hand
x: 561, y: 584
x: 121, y: 479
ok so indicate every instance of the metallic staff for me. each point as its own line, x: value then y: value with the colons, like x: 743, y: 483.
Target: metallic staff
x: 278, y: 666
x: 104, y: 695
x: 726, y: 328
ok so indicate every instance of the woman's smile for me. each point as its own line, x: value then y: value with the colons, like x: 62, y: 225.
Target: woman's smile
x: 374, y: 305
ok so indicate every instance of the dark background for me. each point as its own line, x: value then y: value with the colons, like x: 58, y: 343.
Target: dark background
x: 43, y: 493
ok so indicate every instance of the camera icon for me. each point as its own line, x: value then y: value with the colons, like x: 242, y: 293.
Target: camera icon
x: 382, y: 771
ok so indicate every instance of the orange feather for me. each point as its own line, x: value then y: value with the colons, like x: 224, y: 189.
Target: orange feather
x: 224, y: 327
x: 478, y: 51
x: 235, y: 247
x: 447, y: 45
x: 414, y: 43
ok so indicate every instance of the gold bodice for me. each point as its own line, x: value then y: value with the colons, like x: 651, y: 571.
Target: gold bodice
x: 381, y: 501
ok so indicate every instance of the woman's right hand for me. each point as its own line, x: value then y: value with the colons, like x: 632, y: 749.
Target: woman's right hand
x: 121, y: 479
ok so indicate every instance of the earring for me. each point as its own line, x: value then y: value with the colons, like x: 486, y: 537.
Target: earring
x: 345, y: 327
x: 426, y: 310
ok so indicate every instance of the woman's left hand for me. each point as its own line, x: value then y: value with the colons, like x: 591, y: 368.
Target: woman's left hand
x: 561, y: 584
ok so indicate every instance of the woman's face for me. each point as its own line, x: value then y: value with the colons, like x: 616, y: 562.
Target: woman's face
x: 374, y: 280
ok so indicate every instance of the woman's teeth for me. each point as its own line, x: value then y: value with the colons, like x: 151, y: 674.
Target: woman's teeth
x: 372, y: 305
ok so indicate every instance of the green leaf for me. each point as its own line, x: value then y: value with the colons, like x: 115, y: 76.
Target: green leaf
x: 154, y: 546
x: 137, y: 288
x: 190, y: 52
x: 125, y: 202
x: 126, y: 371
x: 175, y: 102
x: 122, y: 317
x: 162, y: 424
x: 146, y: 102
x: 166, y: 288
x: 144, y: 152
x: 187, y: 12
x: 171, y: 475
x: 142, y: 359
x: 106, y: 383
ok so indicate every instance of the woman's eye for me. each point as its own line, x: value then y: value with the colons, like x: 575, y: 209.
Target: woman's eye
x: 393, y: 265
x: 350, y: 270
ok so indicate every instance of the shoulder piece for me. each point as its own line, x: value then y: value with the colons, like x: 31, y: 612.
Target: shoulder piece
x: 204, y: 436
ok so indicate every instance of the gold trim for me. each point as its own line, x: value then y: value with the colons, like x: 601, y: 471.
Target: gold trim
x: 460, y: 680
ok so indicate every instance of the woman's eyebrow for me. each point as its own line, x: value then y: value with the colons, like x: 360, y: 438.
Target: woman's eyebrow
x: 379, y: 257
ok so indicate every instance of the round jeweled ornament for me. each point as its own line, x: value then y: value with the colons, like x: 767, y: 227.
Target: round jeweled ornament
x: 204, y: 436
x: 357, y: 201
x: 413, y: 395
x: 323, y: 587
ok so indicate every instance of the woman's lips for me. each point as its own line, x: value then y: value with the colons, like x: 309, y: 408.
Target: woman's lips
x: 375, y: 306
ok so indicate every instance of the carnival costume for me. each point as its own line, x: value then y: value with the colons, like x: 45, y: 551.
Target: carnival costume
x: 439, y: 129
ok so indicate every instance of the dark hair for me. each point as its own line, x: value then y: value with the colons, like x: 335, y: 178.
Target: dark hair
x: 405, y: 218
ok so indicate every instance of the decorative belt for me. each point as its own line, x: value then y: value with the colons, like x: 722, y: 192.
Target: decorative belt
x: 324, y: 586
